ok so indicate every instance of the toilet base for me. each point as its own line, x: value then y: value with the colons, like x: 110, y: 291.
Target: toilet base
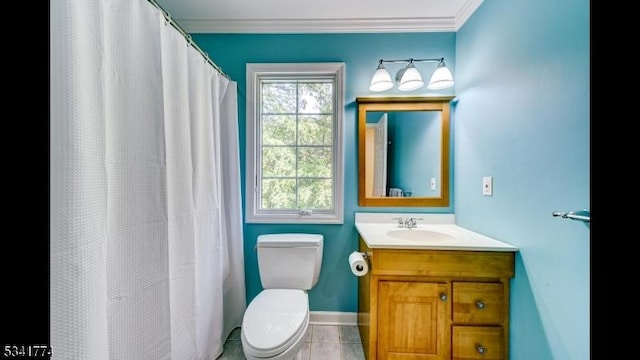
x: 292, y: 353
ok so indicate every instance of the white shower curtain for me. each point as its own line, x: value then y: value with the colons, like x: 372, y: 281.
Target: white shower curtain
x: 146, y: 249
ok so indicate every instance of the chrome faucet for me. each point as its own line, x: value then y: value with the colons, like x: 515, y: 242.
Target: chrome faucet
x: 410, y: 223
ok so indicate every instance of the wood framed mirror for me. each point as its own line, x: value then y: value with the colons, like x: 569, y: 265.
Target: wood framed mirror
x: 403, y: 151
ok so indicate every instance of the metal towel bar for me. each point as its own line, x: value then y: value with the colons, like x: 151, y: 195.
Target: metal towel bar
x: 581, y: 215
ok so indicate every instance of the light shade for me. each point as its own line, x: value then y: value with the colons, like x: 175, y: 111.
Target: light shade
x: 410, y: 78
x: 441, y: 78
x: 381, y: 80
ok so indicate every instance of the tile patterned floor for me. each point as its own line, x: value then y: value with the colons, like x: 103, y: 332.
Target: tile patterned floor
x: 322, y: 342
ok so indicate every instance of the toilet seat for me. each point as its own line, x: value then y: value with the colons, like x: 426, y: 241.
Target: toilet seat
x: 274, y: 321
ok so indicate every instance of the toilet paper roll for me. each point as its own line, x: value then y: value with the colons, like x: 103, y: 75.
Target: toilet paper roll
x: 358, y: 264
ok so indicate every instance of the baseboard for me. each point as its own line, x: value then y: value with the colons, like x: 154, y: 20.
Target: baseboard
x: 333, y: 318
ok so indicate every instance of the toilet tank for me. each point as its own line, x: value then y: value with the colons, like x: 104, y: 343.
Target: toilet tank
x: 289, y: 261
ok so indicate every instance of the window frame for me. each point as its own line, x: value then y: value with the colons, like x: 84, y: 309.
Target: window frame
x: 255, y: 73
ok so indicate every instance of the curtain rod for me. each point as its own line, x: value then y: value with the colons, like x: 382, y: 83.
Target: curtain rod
x: 187, y: 37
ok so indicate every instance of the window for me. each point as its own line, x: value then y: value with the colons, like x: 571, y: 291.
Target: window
x: 294, y: 143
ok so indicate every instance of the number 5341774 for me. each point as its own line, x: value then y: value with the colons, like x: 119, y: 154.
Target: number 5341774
x: 15, y: 351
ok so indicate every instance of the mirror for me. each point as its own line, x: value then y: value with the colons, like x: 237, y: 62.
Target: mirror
x: 403, y: 151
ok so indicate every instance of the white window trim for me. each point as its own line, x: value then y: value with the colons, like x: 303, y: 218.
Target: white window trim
x: 252, y: 215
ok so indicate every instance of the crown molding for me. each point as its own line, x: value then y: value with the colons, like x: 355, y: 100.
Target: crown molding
x: 332, y: 25
x: 283, y: 26
x: 466, y: 10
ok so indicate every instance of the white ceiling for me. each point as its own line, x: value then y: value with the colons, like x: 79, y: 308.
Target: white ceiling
x: 326, y: 16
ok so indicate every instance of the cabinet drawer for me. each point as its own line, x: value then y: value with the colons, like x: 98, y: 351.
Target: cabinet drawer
x: 478, y: 303
x: 442, y: 263
x: 478, y: 342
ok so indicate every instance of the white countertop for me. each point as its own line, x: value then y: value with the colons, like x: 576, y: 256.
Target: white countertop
x: 440, y: 233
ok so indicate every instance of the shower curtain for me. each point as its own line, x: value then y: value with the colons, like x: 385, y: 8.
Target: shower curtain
x: 146, y: 250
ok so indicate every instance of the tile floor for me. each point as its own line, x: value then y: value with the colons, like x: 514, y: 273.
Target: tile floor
x: 322, y: 342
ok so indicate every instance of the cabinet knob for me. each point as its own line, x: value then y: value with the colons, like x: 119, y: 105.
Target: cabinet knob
x: 480, y: 349
x: 443, y: 296
x: 479, y: 304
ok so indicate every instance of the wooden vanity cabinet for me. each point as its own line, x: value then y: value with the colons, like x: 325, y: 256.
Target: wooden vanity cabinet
x: 435, y: 304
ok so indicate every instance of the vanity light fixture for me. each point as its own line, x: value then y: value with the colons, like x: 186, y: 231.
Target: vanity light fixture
x: 409, y: 78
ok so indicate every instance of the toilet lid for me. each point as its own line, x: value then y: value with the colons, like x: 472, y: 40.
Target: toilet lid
x: 273, y: 319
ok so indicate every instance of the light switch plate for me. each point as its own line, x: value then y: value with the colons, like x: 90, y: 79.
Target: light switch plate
x: 487, y: 186
x: 433, y: 183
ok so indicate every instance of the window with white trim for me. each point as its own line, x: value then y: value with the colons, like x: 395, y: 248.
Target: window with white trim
x: 294, y: 143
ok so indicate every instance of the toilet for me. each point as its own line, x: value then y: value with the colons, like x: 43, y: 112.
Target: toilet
x: 276, y: 320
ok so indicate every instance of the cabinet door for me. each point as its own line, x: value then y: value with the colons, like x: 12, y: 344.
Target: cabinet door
x: 411, y: 321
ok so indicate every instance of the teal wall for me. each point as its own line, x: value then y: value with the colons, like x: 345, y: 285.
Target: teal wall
x: 522, y: 116
x: 337, y: 287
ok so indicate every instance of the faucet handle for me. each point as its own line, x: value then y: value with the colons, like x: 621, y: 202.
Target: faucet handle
x: 400, y: 221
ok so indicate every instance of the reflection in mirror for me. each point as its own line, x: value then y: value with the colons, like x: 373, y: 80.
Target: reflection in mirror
x: 403, y: 151
x: 412, y: 137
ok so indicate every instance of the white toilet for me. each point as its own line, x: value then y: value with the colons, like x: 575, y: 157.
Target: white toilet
x: 275, y: 322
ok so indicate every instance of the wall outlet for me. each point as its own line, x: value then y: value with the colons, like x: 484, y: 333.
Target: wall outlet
x: 487, y: 186
x: 433, y: 183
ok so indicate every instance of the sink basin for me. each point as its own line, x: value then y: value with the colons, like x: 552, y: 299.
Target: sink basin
x: 420, y: 234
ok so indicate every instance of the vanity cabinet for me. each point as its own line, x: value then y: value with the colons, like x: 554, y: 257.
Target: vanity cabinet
x: 435, y: 304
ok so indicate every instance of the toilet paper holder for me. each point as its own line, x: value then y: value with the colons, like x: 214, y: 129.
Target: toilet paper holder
x: 359, y: 263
